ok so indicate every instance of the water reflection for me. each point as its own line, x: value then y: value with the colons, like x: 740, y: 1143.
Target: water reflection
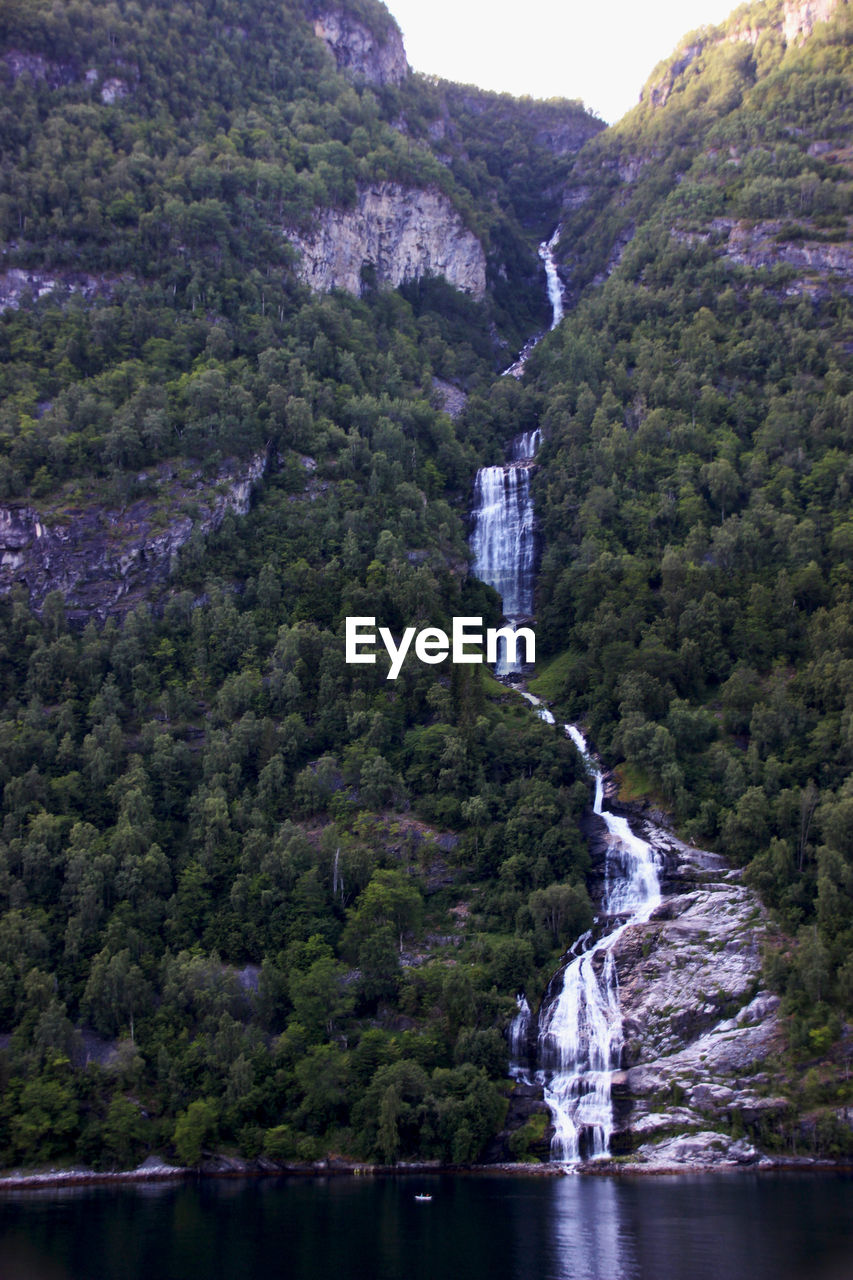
x: 588, y: 1240
x: 480, y: 1227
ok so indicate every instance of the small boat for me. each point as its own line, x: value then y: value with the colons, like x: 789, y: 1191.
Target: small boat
x: 422, y: 1197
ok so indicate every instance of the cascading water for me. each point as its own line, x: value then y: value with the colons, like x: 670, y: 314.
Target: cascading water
x: 504, y: 537
x: 555, y: 287
x: 555, y: 297
x: 580, y: 1027
x: 519, y: 1032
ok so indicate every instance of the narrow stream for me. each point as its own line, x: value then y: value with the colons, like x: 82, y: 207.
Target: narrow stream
x: 579, y: 1031
x: 556, y: 297
x: 579, y: 1042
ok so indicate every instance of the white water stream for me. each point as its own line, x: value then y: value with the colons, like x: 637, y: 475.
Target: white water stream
x: 504, y: 537
x: 580, y: 1027
x: 556, y: 298
x: 555, y: 287
x: 579, y: 1040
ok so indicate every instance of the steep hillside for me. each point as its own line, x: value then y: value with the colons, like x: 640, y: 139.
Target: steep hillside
x: 249, y: 893
x: 257, y: 283
x: 695, y: 493
x: 172, y: 180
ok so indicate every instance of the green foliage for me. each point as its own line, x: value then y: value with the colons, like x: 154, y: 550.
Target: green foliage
x: 695, y: 486
x: 289, y: 902
x: 193, y: 1129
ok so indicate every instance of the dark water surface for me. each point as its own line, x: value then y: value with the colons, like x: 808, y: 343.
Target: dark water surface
x: 740, y: 1226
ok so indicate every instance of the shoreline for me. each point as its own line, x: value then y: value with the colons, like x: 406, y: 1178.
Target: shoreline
x: 230, y: 1168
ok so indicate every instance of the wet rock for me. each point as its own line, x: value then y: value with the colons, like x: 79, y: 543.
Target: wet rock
x: 527, y: 1125
x: 697, y: 1025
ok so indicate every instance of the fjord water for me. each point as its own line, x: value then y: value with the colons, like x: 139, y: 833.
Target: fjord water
x: 480, y: 1227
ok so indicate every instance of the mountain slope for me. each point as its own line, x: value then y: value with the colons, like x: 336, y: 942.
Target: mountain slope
x: 256, y: 900
x: 249, y: 893
x: 695, y: 495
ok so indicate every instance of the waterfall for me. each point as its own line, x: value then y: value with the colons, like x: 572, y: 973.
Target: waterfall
x: 555, y: 287
x: 519, y: 1029
x: 523, y: 448
x: 579, y: 1040
x: 504, y: 537
x: 555, y: 297
x: 580, y: 1026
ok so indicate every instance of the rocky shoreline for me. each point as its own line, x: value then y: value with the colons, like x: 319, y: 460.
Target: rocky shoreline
x: 156, y: 1171
x: 702, y: 1037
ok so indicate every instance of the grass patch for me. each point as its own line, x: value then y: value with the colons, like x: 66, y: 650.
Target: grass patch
x: 634, y: 783
x: 550, y: 682
x: 492, y: 687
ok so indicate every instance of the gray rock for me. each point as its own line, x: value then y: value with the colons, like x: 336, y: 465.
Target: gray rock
x: 704, y: 1149
x: 403, y: 233
x: 358, y: 52
x: 104, y: 560
x: 697, y: 1026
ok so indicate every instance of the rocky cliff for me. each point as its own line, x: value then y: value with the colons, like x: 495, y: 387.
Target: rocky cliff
x: 561, y: 126
x: 699, y: 1080
x: 105, y: 559
x: 791, y: 23
x: 702, y: 1080
x: 818, y: 265
x: 361, y: 53
x: 398, y: 234
x: 620, y: 176
x: 18, y: 285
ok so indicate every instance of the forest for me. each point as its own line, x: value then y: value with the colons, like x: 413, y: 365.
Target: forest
x: 254, y: 900
x: 696, y: 491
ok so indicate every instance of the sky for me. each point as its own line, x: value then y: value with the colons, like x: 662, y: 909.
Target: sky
x: 601, y: 51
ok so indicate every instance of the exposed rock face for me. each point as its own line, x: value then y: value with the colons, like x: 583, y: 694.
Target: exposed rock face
x: 561, y: 127
x: 756, y: 245
x: 402, y: 233
x: 658, y: 92
x: 617, y: 253
x: 358, y: 52
x: 534, y: 1140
x: 795, y: 23
x: 20, y: 63
x: 105, y: 560
x: 698, y: 1085
x: 698, y: 1027
x: 17, y: 284
x: 802, y: 16
x: 451, y: 399
x: 37, y: 67
x: 113, y: 90
x: 761, y: 245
